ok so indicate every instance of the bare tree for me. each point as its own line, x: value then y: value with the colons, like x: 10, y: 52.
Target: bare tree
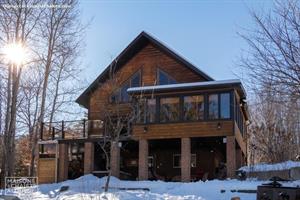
x: 54, y: 37
x: 272, y: 66
x: 62, y: 43
x: 17, y: 20
x: 274, y: 48
x: 117, y: 119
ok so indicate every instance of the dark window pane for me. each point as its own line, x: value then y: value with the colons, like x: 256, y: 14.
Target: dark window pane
x: 115, y: 98
x: 136, y: 80
x: 172, y: 81
x: 124, y: 94
x: 164, y: 78
x: 169, y: 109
x: 225, y: 105
x: 176, y: 160
x: 151, y: 110
x: 213, y: 107
x: 193, y: 108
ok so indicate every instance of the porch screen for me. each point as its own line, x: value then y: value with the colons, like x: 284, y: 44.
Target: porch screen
x: 193, y: 108
x: 169, y: 109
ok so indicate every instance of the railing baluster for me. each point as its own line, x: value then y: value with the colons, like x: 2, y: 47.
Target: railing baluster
x: 63, y: 129
x: 84, y: 127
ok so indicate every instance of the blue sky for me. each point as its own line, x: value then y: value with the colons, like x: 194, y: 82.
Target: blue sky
x: 204, y: 32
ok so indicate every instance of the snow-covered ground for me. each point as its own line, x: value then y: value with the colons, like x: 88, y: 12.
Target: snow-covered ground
x: 89, y: 187
x: 271, y: 167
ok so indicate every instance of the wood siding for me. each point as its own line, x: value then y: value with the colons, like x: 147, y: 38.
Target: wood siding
x: 46, y: 170
x: 147, y: 60
x: 179, y: 130
x: 239, y: 138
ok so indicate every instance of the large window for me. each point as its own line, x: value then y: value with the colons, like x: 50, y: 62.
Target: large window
x: 169, y: 109
x: 141, y: 110
x: 213, y: 106
x: 146, y: 111
x: 121, y: 94
x: 164, y: 78
x: 193, y: 108
x: 151, y: 110
x: 225, y: 105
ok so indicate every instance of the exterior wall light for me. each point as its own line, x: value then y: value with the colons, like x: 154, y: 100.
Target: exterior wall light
x: 219, y: 125
x: 145, y: 129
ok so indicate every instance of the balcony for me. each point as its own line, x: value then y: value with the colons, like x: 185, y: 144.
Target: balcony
x: 70, y: 130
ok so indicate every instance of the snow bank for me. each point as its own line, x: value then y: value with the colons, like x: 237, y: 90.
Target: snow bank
x: 271, y: 167
x: 90, y: 187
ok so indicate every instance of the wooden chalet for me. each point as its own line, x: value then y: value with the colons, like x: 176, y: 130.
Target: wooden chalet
x: 188, y: 127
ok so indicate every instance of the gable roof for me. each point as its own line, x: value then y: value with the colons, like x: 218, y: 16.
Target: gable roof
x: 134, y: 47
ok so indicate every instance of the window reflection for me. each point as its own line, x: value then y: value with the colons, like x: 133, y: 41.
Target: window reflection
x: 225, y: 105
x: 169, y: 109
x: 193, y: 108
x: 213, y: 106
x: 151, y: 110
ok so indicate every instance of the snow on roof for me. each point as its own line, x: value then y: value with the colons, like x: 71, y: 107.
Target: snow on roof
x: 184, y: 85
x: 263, y: 167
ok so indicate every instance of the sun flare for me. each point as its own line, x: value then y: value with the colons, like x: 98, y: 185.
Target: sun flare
x: 15, y: 53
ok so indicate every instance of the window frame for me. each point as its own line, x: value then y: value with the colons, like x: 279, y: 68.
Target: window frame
x: 181, y: 96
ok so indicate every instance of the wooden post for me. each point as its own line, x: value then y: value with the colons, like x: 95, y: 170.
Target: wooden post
x: 143, y: 159
x: 62, y: 129
x: 53, y: 133
x: 63, y: 161
x: 230, y: 156
x: 88, y: 157
x: 185, y: 159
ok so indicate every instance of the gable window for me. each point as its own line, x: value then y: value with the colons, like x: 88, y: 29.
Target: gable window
x: 225, y: 105
x: 169, y: 109
x: 213, y: 106
x: 121, y: 94
x: 164, y: 78
x: 193, y: 108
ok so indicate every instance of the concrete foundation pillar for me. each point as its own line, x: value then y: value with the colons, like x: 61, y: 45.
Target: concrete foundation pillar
x: 115, y: 159
x: 63, y: 161
x: 230, y: 156
x: 143, y: 159
x: 185, y: 159
x: 88, y: 157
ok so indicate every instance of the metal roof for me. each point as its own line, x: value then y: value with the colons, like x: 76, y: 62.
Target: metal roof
x: 189, y: 86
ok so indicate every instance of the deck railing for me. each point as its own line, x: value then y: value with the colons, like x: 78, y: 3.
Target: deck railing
x: 64, y: 129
